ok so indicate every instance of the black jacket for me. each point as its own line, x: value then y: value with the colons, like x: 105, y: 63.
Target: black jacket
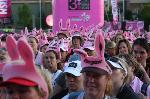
x: 126, y: 92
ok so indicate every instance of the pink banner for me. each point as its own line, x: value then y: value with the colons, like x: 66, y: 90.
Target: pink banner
x: 114, y: 4
x: 134, y: 25
x: 5, y: 8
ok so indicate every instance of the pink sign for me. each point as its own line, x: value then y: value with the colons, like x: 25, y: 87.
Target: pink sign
x: 134, y: 25
x: 80, y: 12
x: 5, y: 8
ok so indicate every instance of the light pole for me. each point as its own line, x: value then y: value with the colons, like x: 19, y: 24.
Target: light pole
x: 40, y: 4
x: 123, y: 9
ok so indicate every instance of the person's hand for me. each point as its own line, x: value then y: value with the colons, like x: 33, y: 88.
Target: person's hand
x: 142, y: 96
x: 145, y: 76
x: 142, y: 68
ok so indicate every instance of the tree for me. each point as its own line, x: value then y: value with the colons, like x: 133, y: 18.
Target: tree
x: 108, y: 14
x: 128, y: 15
x: 24, y: 14
x: 145, y: 15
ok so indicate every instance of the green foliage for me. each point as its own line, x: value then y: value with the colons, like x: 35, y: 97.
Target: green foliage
x: 108, y: 14
x: 24, y: 14
x: 128, y: 15
x: 145, y: 15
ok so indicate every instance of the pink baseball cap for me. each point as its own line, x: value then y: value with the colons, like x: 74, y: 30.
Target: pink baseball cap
x: 98, y: 63
x: 23, y: 71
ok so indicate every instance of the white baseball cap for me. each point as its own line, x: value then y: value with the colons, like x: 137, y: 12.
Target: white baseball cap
x: 118, y: 63
x: 73, y: 68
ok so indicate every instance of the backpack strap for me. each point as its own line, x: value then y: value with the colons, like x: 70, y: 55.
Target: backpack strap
x: 144, y: 89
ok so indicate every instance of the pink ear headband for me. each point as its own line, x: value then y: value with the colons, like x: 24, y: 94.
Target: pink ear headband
x: 65, y: 31
x: 26, y: 70
x: 97, y: 62
x: 67, y: 25
x: 53, y: 46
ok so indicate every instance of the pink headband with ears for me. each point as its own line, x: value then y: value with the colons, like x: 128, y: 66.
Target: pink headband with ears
x: 89, y: 44
x: 75, y: 31
x: 53, y: 46
x: 43, y: 40
x: 26, y: 70
x: 63, y: 44
x: 63, y: 30
x: 11, y: 45
x: 97, y: 62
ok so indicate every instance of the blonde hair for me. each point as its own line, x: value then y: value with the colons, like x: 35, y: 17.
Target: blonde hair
x: 109, y: 85
x: 125, y: 66
x: 47, y: 77
x: 131, y: 61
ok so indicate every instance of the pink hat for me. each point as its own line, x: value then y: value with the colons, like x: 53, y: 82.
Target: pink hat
x: 89, y: 44
x: 24, y: 72
x: 53, y: 46
x: 98, y: 63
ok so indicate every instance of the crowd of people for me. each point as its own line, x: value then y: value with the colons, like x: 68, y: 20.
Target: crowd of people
x: 75, y: 63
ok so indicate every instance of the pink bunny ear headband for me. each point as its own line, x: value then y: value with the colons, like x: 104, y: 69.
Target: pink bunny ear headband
x: 89, y: 44
x: 11, y: 46
x: 65, y: 31
x: 53, y: 46
x: 98, y: 63
x: 43, y: 40
x: 63, y: 44
x: 22, y: 73
x: 77, y: 33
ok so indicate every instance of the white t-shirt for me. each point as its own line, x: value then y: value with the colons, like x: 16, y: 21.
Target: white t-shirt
x: 54, y: 76
x: 66, y: 97
x: 38, y: 59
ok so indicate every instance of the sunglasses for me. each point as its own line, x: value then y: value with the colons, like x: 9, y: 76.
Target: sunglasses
x: 116, y: 60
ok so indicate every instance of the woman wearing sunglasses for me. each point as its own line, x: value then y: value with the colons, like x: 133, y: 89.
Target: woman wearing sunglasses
x: 119, y: 76
x: 141, y: 52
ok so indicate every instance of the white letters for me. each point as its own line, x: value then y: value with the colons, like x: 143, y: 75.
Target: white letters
x: 3, y: 7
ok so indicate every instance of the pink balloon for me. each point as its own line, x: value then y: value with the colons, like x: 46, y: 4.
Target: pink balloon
x: 80, y: 12
x: 49, y: 20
